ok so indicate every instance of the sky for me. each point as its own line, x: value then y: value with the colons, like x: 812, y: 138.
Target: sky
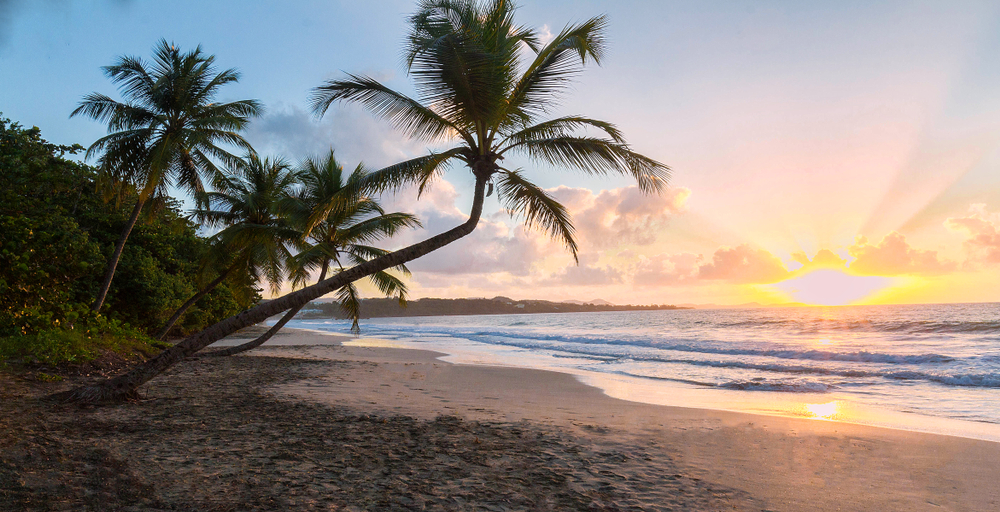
x: 821, y: 152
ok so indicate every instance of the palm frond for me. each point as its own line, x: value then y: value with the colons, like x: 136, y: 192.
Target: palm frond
x: 560, y: 127
x: 347, y: 297
x: 405, y: 114
x: 597, y: 156
x: 539, y: 209
x: 554, y: 66
x: 418, y: 171
x: 358, y: 254
x: 377, y: 228
x: 390, y: 285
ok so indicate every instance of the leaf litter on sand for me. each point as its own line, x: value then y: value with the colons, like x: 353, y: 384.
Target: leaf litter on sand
x: 211, y: 437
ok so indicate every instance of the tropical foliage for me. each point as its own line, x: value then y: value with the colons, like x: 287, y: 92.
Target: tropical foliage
x: 247, y: 206
x: 338, y: 225
x: 167, y: 132
x: 335, y: 223
x: 55, y: 228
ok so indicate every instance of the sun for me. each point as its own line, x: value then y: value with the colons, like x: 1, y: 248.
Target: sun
x: 831, y: 287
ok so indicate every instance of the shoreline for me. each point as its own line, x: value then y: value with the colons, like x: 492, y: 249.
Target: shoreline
x: 805, y: 406
x: 789, y: 463
x: 308, y: 423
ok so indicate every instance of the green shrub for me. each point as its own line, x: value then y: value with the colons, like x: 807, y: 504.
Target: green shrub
x: 58, y: 226
x: 84, y: 341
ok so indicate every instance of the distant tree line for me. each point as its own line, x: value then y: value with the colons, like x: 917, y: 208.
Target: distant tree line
x: 377, y: 308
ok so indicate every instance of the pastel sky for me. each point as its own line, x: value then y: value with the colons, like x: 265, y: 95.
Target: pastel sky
x: 823, y: 152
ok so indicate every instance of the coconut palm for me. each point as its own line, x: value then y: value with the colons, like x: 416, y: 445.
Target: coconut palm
x: 253, y: 243
x: 465, y: 57
x: 167, y: 131
x: 247, y: 205
x: 338, y: 225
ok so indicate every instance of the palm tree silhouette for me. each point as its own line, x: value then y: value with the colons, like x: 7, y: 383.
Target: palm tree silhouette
x: 337, y: 225
x: 254, y: 242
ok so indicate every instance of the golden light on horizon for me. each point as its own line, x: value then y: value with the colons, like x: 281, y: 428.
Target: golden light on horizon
x: 831, y: 287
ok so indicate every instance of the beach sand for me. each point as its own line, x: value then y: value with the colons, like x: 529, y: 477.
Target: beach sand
x: 308, y: 424
x: 787, y: 463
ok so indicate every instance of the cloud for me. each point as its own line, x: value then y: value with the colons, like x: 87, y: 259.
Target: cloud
x: 587, y: 273
x: 666, y: 269
x: 354, y: 134
x: 981, y: 226
x: 620, y: 216
x: 492, y: 247
x: 894, y: 256
x: 545, y: 34
x: 744, y: 264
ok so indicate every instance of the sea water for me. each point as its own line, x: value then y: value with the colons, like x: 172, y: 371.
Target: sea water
x: 932, y: 368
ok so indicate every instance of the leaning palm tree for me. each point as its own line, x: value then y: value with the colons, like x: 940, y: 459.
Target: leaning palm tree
x: 465, y: 57
x: 256, y: 234
x: 338, y: 225
x: 167, y: 131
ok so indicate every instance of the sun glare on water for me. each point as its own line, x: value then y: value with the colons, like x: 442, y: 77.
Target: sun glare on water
x: 823, y: 411
x: 831, y: 287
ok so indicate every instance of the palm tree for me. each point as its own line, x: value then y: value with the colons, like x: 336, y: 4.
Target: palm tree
x: 465, y: 59
x: 338, y: 224
x: 167, y: 131
x: 254, y: 243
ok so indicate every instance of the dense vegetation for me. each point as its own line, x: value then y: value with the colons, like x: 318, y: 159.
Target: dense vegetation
x: 58, y: 224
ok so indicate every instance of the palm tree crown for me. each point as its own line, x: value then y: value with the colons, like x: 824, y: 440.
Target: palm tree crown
x: 247, y: 205
x: 166, y: 132
x: 465, y: 57
x: 339, y: 224
x: 168, y: 129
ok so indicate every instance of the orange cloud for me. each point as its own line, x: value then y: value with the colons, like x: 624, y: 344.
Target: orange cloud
x: 894, y: 256
x: 584, y: 275
x: 744, y: 264
x: 984, y: 236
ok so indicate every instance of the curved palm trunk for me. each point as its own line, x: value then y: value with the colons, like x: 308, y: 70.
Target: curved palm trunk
x: 109, y: 274
x: 124, y: 386
x: 267, y: 335
x: 190, y: 302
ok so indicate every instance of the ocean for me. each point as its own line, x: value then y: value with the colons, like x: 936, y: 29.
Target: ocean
x: 932, y: 368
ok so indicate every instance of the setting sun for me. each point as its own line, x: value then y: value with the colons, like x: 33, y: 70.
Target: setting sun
x: 829, y: 287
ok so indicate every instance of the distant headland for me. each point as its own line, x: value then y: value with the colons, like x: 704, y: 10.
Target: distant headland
x: 378, y: 308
